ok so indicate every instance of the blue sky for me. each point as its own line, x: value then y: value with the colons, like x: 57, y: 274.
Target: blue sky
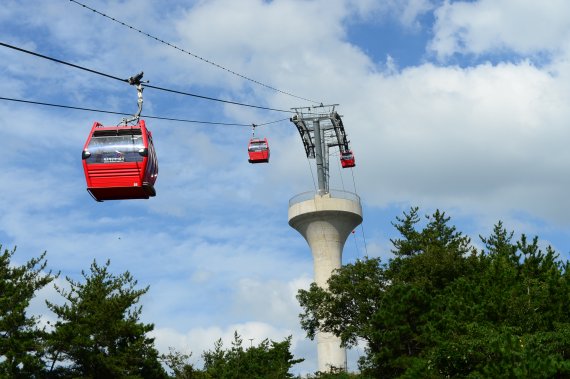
x: 452, y: 105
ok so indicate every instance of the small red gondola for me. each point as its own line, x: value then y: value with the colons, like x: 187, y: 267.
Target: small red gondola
x: 258, y: 150
x: 347, y: 159
x: 120, y: 162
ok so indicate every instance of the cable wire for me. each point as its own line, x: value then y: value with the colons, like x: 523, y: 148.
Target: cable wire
x: 191, y: 54
x: 128, y: 114
x: 313, y: 176
x: 145, y: 85
x: 214, y: 99
x: 62, y: 62
x: 271, y: 122
x: 356, y: 245
x: 340, y: 174
x: 362, y: 224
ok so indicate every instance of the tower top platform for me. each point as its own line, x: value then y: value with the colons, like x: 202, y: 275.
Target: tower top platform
x: 335, y: 201
x: 325, y: 219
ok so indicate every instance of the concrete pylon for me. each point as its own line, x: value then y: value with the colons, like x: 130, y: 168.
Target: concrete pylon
x: 326, y: 222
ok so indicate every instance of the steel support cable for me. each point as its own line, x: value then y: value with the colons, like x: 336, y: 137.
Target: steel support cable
x: 145, y: 85
x: 356, y: 246
x: 62, y: 62
x: 340, y: 174
x: 364, y: 238
x: 214, y: 99
x: 192, y: 54
x: 343, y: 188
x: 127, y: 114
x: 362, y: 224
x: 313, y: 176
x: 271, y: 122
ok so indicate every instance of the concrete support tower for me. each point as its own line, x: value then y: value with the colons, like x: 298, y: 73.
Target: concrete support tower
x: 325, y: 218
x: 325, y: 221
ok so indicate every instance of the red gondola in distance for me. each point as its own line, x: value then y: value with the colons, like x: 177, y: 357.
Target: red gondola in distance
x: 120, y: 162
x: 347, y: 159
x: 258, y: 150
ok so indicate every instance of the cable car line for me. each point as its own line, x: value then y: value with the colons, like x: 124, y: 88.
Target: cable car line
x: 362, y: 224
x: 145, y: 85
x: 128, y: 114
x: 192, y: 54
x: 62, y: 62
x: 272, y: 122
x: 340, y: 175
x: 214, y: 99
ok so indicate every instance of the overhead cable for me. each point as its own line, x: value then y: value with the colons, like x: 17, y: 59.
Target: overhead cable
x: 62, y: 62
x: 272, y: 122
x: 191, y: 54
x: 145, y: 85
x: 214, y: 99
x: 128, y: 114
x: 362, y: 224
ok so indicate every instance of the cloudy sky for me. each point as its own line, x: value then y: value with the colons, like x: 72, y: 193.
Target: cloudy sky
x: 461, y: 106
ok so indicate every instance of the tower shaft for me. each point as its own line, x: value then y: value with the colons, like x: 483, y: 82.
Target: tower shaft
x: 325, y: 221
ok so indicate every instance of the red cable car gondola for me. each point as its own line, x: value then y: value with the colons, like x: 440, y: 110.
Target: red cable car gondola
x: 258, y: 150
x: 347, y: 159
x: 120, y: 162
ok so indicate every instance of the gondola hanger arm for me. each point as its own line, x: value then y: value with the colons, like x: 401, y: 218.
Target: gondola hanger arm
x: 135, y: 80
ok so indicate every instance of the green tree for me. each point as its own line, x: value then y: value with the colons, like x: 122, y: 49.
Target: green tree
x: 508, y: 320
x: 349, y: 305
x: 179, y: 364
x: 21, y: 342
x: 442, y: 308
x: 99, y: 332
x: 268, y: 360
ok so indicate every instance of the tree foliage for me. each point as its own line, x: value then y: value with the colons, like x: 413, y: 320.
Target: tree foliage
x: 98, y: 333
x: 98, y: 329
x: 21, y: 341
x: 179, y: 365
x: 268, y: 360
x: 442, y: 308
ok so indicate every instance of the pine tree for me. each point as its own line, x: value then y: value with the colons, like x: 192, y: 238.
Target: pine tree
x: 21, y: 342
x: 268, y: 360
x: 99, y: 330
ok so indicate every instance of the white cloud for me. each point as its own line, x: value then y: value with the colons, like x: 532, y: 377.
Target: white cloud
x: 500, y: 26
x: 473, y: 138
x: 406, y: 12
x: 412, y: 9
x: 271, y: 301
x: 38, y: 307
